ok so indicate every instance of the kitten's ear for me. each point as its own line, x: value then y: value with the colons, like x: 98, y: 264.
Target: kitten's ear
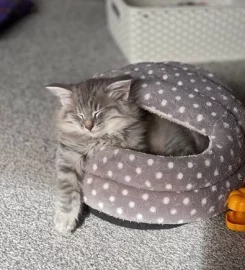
x: 62, y: 91
x: 119, y: 90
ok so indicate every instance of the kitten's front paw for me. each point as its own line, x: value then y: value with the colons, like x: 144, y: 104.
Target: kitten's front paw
x: 65, y: 223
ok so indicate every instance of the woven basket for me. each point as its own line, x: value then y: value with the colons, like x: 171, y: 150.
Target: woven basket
x: 161, y: 30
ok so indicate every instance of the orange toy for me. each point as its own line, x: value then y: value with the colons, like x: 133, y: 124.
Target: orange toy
x: 235, y: 219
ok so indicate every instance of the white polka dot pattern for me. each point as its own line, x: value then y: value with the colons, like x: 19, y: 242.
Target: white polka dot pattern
x: 106, y: 186
x: 138, y: 170
x: 120, y: 165
x: 110, y: 173
x: 131, y: 204
x: 101, y: 205
x: 145, y: 188
x: 164, y: 102
x: 170, y: 165
x: 193, y: 212
x: 166, y: 200
x: 145, y: 197
x: 90, y: 180
x: 204, y: 201
x: 180, y: 175
x: 148, y: 183
x: 190, y: 165
x: 158, y: 175
x: 119, y: 211
x: 173, y: 211
x: 131, y: 157
x: 139, y: 216
x: 186, y: 201
x: 153, y: 209
x: 199, y: 175
x: 111, y: 198
x: 207, y: 162
x: 182, y: 109
x: 150, y: 162
x: 160, y: 220
x: 125, y: 192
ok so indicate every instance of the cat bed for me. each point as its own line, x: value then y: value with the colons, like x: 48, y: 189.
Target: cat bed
x: 152, y: 189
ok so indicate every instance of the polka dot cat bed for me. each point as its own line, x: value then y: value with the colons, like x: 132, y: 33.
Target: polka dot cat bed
x: 139, y: 187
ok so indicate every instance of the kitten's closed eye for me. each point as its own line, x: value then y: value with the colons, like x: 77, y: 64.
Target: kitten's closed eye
x: 80, y: 115
x: 96, y: 114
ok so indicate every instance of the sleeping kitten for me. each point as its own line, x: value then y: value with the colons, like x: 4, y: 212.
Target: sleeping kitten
x: 170, y: 139
x: 94, y: 113
x: 102, y: 112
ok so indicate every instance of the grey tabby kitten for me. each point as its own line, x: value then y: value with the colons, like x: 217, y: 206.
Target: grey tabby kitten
x: 101, y: 112
x: 94, y: 113
x: 169, y: 139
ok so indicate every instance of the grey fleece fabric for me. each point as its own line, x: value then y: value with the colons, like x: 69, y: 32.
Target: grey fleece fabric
x: 145, y: 188
x: 67, y: 41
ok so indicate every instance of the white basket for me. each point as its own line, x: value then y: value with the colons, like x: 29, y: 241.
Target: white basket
x: 147, y: 31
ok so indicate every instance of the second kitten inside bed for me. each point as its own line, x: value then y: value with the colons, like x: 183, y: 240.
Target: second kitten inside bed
x: 166, y: 138
x: 101, y: 112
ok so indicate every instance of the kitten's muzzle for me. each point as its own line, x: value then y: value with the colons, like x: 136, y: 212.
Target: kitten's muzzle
x: 88, y: 124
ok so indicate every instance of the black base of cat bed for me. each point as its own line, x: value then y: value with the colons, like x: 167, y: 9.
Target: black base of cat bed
x: 131, y: 224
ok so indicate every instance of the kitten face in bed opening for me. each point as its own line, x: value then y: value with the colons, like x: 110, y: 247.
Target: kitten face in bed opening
x: 96, y: 107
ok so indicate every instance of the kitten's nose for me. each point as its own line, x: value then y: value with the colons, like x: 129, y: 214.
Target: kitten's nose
x: 88, y: 124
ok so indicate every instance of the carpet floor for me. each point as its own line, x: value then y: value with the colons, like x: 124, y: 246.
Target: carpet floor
x: 67, y: 41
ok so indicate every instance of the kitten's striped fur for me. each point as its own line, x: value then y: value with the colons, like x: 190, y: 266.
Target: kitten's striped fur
x: 117, y: 121
x: 110, y: 107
